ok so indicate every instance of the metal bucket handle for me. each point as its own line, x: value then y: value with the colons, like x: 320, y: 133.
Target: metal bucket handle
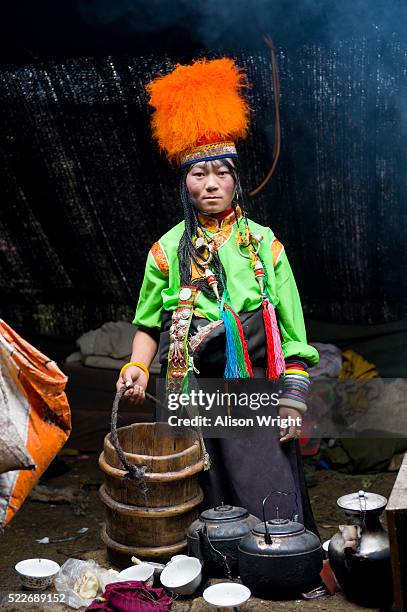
x: 267, y: 534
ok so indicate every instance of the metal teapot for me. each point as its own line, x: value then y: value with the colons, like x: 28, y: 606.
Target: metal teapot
x: 359, y: 553
x: 215, y: 535
x: 280, y: 558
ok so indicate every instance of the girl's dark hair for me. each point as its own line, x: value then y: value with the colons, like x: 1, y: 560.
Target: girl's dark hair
x: 186, y: 247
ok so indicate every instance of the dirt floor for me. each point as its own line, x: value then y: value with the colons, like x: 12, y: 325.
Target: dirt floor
x: 37, y: 520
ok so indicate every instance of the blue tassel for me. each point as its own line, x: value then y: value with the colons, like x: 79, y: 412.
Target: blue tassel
x: 232, y: 366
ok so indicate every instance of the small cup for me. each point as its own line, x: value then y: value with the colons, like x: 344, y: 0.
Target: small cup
x: 143, y: 572
x: 226, y: 595
x: 182, y: 576
x: 37, y: 573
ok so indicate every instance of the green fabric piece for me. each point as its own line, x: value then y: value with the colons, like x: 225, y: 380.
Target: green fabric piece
x: 160, y: 291
x: 151, y: 296
x: 372, y: 453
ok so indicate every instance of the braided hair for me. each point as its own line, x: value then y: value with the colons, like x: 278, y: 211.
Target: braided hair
x: 187, y: 252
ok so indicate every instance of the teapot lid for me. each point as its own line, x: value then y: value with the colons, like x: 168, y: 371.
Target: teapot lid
x: 278, y: 527
x: 224, y: 512
x: 362, y: 501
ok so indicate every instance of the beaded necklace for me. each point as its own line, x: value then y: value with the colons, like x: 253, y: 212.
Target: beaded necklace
x: 238, y: 363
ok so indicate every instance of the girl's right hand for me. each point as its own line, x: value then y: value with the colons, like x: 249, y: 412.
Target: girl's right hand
x: 136, y: 381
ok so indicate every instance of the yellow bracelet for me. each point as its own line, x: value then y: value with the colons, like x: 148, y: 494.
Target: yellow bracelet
x: 293, y: 371
x: 139, y: 365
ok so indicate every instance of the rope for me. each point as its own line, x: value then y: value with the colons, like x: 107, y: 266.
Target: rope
x: 277, y: 127
x: 134, y: 472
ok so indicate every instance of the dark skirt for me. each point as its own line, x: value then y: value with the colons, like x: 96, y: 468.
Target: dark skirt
x: 244, y: 470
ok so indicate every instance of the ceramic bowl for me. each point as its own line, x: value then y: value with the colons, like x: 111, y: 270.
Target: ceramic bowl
x: 226, y: 594
x: 37, y: 573
x: 178, y: 557
x: 143, y: 571
x: 182, y: 576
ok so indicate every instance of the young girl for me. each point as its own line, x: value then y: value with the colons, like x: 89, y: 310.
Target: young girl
x: 220, y: 277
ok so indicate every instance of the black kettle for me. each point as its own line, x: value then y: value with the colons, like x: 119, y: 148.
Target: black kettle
x: 280, y: 558
x: 359, y: 553
x: 215, y: 535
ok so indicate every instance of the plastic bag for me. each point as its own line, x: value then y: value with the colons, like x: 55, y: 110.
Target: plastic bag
x: 70, y: 577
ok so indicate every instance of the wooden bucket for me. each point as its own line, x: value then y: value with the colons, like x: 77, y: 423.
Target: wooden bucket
x: 156, y: 530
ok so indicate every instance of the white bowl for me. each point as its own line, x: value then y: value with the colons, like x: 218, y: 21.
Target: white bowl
x: 37, y: 573
x: 143, y: 572
x: 183, y: 576
x: 226, y: 594
x: 325, y: 545
x: 178, y: 557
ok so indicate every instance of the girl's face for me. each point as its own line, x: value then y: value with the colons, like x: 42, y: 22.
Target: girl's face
x: 211, y: 186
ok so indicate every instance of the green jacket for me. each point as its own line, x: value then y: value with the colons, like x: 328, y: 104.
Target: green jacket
x: 161, y: 283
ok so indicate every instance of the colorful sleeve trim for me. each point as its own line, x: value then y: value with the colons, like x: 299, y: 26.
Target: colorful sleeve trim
x: 277, y: 249
x: 160, y: 258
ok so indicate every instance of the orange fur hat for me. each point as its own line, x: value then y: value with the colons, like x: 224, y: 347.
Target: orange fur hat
x: 199, y: 110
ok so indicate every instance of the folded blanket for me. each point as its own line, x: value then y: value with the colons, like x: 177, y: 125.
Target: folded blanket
x: 113, y: 339
x: 108, y: 347
x: 330, y: 360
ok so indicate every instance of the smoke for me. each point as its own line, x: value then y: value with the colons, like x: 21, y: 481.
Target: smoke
x: 238, y: 24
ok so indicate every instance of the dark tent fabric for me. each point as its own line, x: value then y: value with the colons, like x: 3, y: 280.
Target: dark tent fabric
x: 85, y: 192
x: 384, y: 344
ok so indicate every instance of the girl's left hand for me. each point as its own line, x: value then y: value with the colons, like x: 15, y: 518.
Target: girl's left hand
x: 293, y: 431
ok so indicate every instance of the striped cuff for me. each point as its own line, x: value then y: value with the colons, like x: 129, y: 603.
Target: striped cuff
x: 296, y: 384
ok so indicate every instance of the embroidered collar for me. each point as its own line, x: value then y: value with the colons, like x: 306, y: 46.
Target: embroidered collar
x: 212, y: 224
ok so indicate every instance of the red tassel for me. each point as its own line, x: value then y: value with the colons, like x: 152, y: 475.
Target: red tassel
x: 271, y: 369
x: 279, y: 362
x: 275, y: 359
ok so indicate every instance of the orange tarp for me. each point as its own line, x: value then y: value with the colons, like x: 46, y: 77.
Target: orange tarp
x: 41, y: 414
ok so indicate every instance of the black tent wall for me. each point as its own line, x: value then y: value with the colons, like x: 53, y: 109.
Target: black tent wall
x: 85, y: 192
